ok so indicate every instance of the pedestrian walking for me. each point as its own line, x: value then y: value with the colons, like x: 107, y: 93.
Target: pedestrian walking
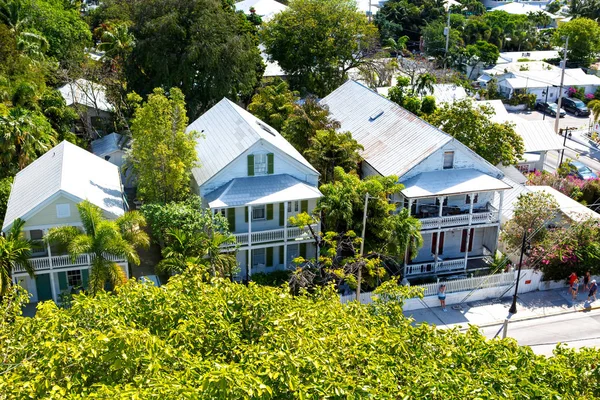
x: 572, y: 279
x: 593, y: 289
x: 575, y: 289
x: 586, y: 281
x: 442, y: 297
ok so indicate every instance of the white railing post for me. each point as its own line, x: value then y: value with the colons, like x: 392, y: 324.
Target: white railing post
x: 249, y: 263
x: 285, y: 233
x: 53, y: 286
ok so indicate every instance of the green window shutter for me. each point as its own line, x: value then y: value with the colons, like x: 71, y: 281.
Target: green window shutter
x: 251, y: 165
x: 281, y: 214
x: 62, y: 281
x: 304, y: 206
x: 246, y: 214
x: 85, y: 277
x: 303, y: 250
x: 269, y: 256
x: 231, y: 219
x: 269, y: 211
x: 281, y: 252
x: 270, y: 163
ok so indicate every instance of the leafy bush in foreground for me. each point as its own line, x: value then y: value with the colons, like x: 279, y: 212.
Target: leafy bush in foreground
x: 191, y: 339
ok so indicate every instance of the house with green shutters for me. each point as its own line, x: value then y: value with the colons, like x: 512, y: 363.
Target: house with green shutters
x: 254, y: 177
x: 45, y: 194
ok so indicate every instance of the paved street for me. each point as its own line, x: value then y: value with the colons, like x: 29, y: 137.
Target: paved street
x: 574, y: 329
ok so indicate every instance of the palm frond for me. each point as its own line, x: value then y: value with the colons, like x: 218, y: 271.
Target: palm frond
x: 90, y: 215
x: 62, y: 235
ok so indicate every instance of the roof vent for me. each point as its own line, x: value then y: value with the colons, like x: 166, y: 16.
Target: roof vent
x: 376, y: 115
x: 265, y: 128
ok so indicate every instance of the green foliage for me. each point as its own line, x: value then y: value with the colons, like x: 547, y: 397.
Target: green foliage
x: 317, y: 41
x: 584, y: 40
x: 199, y: 46
x: 330, y: 149
x: 554, y: 7
x: 273, y: 103
x: 402, y: 17
x: 162, y: 153
x: 428, y: 105
x: 528, y: 99
x: 486, y: 53
x: 102, y: 238
x: 275, y: 278
x: 471, y: 125
x: 5, y: 185
x: 14, y: 249
x: 191, y: 339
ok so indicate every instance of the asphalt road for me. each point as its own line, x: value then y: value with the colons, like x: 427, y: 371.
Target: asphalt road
x: 576, y: 330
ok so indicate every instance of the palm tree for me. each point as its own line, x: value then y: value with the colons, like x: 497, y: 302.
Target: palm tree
x: 396, y: 46
x: 406, y: 237
x: 425, y: 84
x: 14, y: 249
x: 12, y: 15
x: 594, y: 107
x: 181, y: 253
x: 102, y: 238
x: 220, y: 263
x: 117, y: 42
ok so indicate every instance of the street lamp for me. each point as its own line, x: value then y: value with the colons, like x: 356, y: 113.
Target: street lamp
x: 513, y: 307
x: 546, y: 93
x: 566, y: 131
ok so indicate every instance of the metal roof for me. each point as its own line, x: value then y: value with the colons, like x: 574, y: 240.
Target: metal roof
x: 394, y: 139
x: 537, y: 135
x: 107, y: 144
x: 449, y: 182
x: 447, y: 93
x: 66, y: 169
x: 267, y: 9
x: 255, y: 190
x: 86, y: 93
x: 572, y: 209
x: 510, y: 198
x: 228, y: 131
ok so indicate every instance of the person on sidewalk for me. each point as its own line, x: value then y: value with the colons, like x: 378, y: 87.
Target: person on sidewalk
x: 593, y: 289
x: 575, y: 289
x: 586, y: 281
x: 442, y: 297
x: 572, y: 279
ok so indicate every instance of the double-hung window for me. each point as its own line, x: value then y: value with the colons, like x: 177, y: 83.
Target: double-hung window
x: 258, y: 257
x: 295, y: 206
x: 260, y: 164
x: 74, y: 278
x: 448, y: 159
x: 258, y: 213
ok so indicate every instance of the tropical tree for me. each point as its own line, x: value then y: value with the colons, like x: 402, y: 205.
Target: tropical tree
x: 584, y: 40
x: 594, y: 107
x: 397, y: 46
x: 330, y: 149
x: 273, y: 103
x: 14, y: 249
x: 425, y: 84
x: 181, y: 252
x: 162, y: 153
x: 102, y: 239
x: 117, y: 42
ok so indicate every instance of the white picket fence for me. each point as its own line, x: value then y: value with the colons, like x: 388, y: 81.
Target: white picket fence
x: 460, y: 285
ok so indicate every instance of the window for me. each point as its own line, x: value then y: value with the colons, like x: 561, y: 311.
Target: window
x: 74, y: 278
x: 258, y: 212
x: 220, y: 211
x: 468, y: 199
x: 63, y: 210
x: 107, y: 158
x: 295, y: 206
x: 260, y: 164
x: 440, y: 245
x: 448, y: 159
x: 37, y: 246
x: 463, y: 242
x: 258, y: 257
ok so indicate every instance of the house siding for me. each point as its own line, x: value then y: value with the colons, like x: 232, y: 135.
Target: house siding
x: 241, y: 226
x: 293, y: 252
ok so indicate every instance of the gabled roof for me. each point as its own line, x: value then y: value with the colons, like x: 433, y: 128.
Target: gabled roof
x: 108, y: 144
x: 70, y: 170
x: 264, y: 8
x: 259, y: 190
x: 394, y: 139
x: 228, y: 131
x: 572, y: 209
x: 450, y: 182
x: 86, y: 93
x: 522, y: 9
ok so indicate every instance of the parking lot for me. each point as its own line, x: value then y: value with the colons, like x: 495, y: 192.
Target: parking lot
x: 571, y: 121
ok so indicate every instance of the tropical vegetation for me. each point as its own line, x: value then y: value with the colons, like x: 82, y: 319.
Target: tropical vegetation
x: 14, y: 250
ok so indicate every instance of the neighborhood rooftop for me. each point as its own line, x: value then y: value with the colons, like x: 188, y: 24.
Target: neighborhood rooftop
x: 70, y: 170
x: 233, y: 131
x: 84, y: 92
x: 108, y: 144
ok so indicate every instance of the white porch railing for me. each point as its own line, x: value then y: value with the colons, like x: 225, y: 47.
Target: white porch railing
x: 488, y: 217
x: 273, y: 235
x: 58, y: 262
x: 430, y: 267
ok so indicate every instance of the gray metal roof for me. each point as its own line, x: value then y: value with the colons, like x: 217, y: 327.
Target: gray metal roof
x: 71, y: 170
x: 255, y: 190
x: 228, y: 131
x: 510, y: 198
x: 86, y: 93
x: 537, y: 135
x: 107, y: 144
x: 394, y: 139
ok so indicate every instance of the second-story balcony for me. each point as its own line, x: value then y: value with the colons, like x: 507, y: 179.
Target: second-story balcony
x: 62, y: 261
x: 454, y: 216
x: 273, y: 235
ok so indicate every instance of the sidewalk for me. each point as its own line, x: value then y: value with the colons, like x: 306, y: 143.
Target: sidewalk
x: 530, y: 305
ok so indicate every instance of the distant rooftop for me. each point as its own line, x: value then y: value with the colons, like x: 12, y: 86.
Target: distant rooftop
x: 86, y: 93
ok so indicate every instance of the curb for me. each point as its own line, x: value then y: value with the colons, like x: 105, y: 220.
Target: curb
x: 501, y: 321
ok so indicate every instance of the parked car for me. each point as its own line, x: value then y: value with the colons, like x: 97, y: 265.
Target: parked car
x: 575, y: 106
x: 550, y: 109
x: 581, y: 170
x: 151, y: 279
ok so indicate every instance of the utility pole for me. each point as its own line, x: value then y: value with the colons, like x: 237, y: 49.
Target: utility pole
x: 562, y: 80
x: 513, y: 308
x: 362, y: 247
x: 447, y: 33
x: 547, y: 89
x: 564, y: 133
x: 369, y: 11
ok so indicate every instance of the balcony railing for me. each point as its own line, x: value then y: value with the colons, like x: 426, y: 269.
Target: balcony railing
x: 486, y: 217
x: 273, y: 235
x: 64, y: 261
x: 430, y: 267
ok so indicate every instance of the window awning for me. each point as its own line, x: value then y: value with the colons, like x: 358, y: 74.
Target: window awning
x: 451, y: 182
x: 257, y: 190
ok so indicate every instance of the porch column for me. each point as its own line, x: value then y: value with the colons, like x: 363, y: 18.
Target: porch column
x: 53, y: 286
x: 49, y: 250
x: 249, y: 263
x: 500, y: 204
x: 441, y: 200
x: 285, y: 233
x: 439, y: 231
x: 471, y: 197
x: 410, y: 203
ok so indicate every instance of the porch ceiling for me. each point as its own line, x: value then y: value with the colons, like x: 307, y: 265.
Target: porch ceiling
x: 451, y: 182
x: 257, y: 190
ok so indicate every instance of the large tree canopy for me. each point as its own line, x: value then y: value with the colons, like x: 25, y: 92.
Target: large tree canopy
x: 317, y: 41
x: 206, y: 50
x: 472, y: 126
x: 584, y: 40
x: 191, y: 339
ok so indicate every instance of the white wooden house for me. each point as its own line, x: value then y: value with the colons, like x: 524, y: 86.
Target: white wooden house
x: 446, y: 185
x: 45, y: 194
x: 257, y: 179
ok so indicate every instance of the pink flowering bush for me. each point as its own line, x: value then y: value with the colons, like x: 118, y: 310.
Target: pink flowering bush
x: 571, y: 91
x: 589, y: 96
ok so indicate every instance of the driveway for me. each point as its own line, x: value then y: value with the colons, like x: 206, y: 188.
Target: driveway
x: 571, y: 121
